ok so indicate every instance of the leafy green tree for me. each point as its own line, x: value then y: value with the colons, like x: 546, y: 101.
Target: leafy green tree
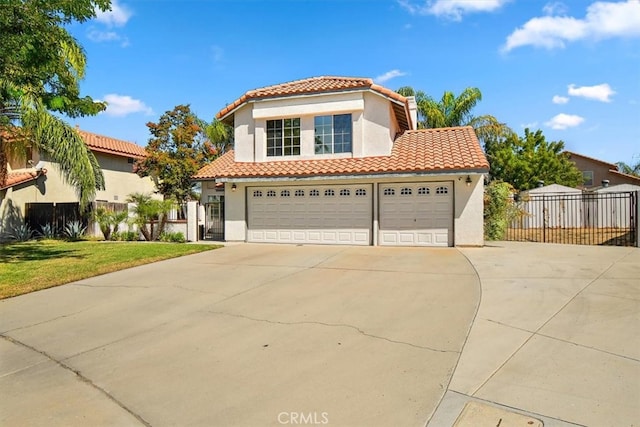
x: 41, y: 66
x: 451, y: 111
x: 177, y: 149
x: 523, y: 161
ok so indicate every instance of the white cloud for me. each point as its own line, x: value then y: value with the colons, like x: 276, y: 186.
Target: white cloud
x: 557, y: 99
x: 601, y: 92
x: 532, y: 125
x: 564, y: 121
x: 603, y: 20
x: 556, y: 8
x: 116, y: 17
x: 122, y: 105
x: 389, y: 75
x: 107, y: 36
x: 451, y: 9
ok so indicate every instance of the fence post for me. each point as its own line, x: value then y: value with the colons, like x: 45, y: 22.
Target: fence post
x: 192, y: 221
x: 544, y: 221
x: 637, y: 217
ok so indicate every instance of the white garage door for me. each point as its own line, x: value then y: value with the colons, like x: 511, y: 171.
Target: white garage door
x: 416, y: 214
x: 328, y: 214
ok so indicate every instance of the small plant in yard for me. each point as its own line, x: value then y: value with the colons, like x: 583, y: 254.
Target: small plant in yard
x: 47, y: 231
x: 21, y: 233
x: 74, y: 230
x: 109, y: 221
x: 124, y: 236
x: 150, y: 214
x: 177, y: 237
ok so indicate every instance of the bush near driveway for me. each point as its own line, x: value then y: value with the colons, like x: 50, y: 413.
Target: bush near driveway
x: 30, y: 266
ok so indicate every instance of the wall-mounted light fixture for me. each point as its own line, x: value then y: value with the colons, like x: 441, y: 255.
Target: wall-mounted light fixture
x: 233, y: 187
x: 468, y: 181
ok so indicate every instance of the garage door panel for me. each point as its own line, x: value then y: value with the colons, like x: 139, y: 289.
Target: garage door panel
x: 336, y: 214
x: 416, y: 214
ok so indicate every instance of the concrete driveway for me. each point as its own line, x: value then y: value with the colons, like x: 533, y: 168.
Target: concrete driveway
x: 556, y: 337
x: 510, y: 334
x: 246, y: 335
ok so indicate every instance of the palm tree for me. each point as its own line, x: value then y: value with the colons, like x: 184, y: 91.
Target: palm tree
x: 219, y: 135
x: 629, y: 169
x: 452, y: 111
x: 26, y: 122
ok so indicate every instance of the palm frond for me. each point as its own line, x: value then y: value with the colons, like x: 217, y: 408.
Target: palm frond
x: 63, y: 144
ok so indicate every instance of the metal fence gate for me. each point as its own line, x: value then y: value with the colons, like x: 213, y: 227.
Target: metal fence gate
x: 214, y: 218
x: 57, y: 215
x: 582, y: 219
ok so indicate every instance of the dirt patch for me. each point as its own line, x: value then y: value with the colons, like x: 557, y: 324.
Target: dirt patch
x: 574, y: 236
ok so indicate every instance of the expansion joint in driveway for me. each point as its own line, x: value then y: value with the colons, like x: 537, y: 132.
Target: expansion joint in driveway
x: 332, y: 325
x: 78, y: 375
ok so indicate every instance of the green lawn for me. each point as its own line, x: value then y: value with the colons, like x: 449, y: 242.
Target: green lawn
x: 34, y: 265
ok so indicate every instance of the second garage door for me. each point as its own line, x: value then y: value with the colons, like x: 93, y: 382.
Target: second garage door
x: 416, y: 214
x: 323, y: 214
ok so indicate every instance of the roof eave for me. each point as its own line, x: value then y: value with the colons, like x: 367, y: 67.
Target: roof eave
x: 343, y: 175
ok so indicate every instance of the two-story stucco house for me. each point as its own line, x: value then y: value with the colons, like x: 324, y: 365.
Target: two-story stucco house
x: 338, y: 160
x: 37, y: 182
x: 597, y: 173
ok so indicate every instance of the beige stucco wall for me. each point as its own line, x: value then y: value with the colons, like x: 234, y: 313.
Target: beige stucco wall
x: 120, y: 181
x: 468, y: 203
x: 468, y: 221
x: 379, y: 127
x: 374, y: 126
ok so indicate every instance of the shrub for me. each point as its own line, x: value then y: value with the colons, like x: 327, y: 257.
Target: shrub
x: 129, y: 236
x: 177, y: 237
x: 499, y: 209
x: 47, y: 231
x: 74, y: 230
x: 21, y: 233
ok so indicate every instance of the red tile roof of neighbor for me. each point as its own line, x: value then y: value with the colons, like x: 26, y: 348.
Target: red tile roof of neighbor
x: 317, y: 85
x: 15, y: 178
x: 426, y: 150
x: 106, y: 144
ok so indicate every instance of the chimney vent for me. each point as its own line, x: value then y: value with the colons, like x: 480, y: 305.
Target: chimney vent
x: 540, y: 183
x: 605, y: 183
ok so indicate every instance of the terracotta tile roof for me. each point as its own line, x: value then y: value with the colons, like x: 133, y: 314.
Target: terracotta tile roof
x: 105, y: 144
x: 324, y: 84
x: 15, y: 178
x: 426, y: 150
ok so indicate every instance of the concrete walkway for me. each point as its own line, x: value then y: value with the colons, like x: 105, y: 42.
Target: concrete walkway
x: 557, y: 336
x: 246, y: 335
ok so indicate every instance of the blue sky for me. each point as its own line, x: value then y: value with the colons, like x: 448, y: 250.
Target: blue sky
x: 570, y: 68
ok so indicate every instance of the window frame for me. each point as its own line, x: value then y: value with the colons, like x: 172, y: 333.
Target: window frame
x: 283, y: 137
x: 325, y: 137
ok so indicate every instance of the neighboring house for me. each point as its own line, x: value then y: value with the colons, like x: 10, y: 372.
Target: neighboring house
x: 37, y: 183
x: 338, y: 160
x: 595, y: 172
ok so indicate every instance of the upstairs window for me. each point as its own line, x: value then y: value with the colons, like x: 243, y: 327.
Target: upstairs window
x: 283, y: 137
x: 333, y: 134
